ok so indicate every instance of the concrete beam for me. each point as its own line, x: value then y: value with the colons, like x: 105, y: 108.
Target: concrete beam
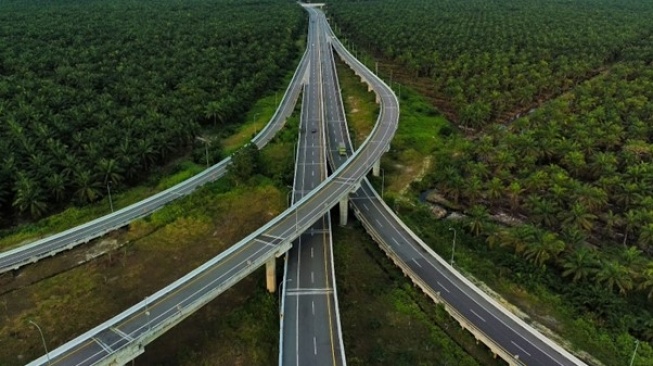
x: 376, y: 168
x: 271, y: 274
x: 344, y: 211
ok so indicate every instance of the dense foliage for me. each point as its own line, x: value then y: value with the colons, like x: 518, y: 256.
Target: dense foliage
x: 95, y: 93
x: 486, y: 60
x: 576, y: 172
x: 580, y: 170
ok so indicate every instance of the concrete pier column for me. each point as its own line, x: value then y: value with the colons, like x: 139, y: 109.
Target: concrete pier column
x: 376, y: 168
x: 344, y: 211
x: 271, y: 275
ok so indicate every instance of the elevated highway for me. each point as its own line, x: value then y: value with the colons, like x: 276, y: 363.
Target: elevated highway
x: 125, y: 336
x: 506, y: 335
x: 310, y: 332
x: 30, y: 253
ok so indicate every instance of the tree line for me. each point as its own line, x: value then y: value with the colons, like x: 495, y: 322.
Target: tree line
x: 95, y: 93
x: 577, y: 171
x: 487, y: 61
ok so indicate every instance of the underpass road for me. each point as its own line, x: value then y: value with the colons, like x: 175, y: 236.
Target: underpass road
x: 309, y: 328
x: 145, y: 321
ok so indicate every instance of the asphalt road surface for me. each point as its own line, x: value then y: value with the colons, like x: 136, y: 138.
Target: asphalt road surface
x: 121, y: 338
x: 529, y: 346
x: 310, y: 330
x: 30, y: 253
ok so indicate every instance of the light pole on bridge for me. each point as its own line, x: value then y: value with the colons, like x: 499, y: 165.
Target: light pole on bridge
x: 453, y: 246
x: 45, y: 347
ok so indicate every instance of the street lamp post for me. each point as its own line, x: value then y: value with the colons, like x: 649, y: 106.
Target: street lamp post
x: 206, y: 148
x: 632, y: 359
x: 382, y: 182
x: 453, y: 246
x: 279, y: 287
x: 296, y: 220
x: 45, y: 347
x: 109, y: 191
x: 147, y: 313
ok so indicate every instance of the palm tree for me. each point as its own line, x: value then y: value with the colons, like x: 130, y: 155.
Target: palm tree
x: 29, y: 197
x: 594, y: 198
x: 631, y: 219
x: 494, y: 189
x: 87, y: 189
x: 611, y: 221
x: 632, y: 258
x: 581, y: 264
x: 473, y: 189
x: 646, y: 280
x: 56, y: 184
x: 216, y: 111
x: 645, y: 236
x: 110, y: 170
x: 579, y: 217
x: 543, y: 210
x: 614, y: 276
x: 514, y: 191
x: 546, y: 246
x: 477, y: 219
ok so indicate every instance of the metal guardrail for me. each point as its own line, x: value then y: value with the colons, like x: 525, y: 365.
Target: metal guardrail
x: 435, y: 295
x: 175, y: 306
x: 429, y: 291
x: 30, y: 253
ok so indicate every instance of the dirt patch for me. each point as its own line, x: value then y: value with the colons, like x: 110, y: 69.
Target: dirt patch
x: 62, y: 262
x: 76, y: 299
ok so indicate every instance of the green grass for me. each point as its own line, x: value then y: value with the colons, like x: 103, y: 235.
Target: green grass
x: 241, y: 326
x: 422, y: 131
x: 361, y: 109
x: 387, y: 321
x: 74, y: 215
x: 397, y: 325
x: 541, y: 304
x: 161, y: 248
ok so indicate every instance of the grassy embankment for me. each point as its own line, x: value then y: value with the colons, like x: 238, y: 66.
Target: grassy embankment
x: 385, y: 320
x: 241, y: 326
x: 541, y: 306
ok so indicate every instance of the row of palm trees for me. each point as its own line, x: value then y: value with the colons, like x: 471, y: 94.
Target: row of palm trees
x: 579, y: 170
x: 93, y: 94
x: 624, y: 272
x: 485, y: 60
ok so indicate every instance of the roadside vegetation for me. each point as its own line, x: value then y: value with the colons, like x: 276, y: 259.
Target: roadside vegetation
x: 398, y: 325
x: 388, y: 321
x: 570, y: 177
x: 99, y: 94
x: 240, y: 326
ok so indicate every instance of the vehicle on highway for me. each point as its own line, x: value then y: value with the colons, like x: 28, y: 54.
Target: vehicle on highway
x: 342, y: 150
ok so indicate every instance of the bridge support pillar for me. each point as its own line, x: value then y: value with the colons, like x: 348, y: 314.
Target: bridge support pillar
x: 376, y: 168
x: 271, y: 275
x: 344, y: 211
